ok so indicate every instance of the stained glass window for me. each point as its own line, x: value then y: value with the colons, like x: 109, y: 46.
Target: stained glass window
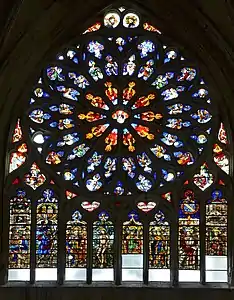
x: 159, y: 248
x: 216, y: 237
x: 76, y: 248
x: 132, y: 249
x: 114, y: 128
x: 103, y: 248
x: 189, y: 237
x: 46, y: 236
x: 19, y: 236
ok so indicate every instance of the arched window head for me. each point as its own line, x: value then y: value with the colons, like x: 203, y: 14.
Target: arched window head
x: 119, y: 105
x: 117, y: 124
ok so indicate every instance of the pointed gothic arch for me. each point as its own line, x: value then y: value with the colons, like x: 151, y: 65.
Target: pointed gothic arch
x: 120, y: 120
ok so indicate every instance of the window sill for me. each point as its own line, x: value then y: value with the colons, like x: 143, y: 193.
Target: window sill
x: 157, y: 285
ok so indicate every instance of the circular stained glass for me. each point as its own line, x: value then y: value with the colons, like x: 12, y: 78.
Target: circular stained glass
x: 111, y: 19
x: 120, y: 113
x: 131, y: 20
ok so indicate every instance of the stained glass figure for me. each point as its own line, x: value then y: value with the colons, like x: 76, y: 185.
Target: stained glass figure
x: 146, y: 47
x: 150, y: 27
x: 131, y: 20
x: 216, y: 237
x: 187, y: 74
x: 95, y: 48
x: 46, y: 231
x: 95, y: 71
x: 160, y: 152
x: 55, y: 73
x: 177, y: 108
x: 35, y: 177
x: 143, y: 184
x: 78, y: 80
x: 132, y: 248
x: 201, y: 93
x: 103, y: 241
x: 189, y: 234
x: 94, y: 183
x: 162, y: 80
x: 159, y: 246
x: 129, y: 92
x: 18, y: 158
x: 111, y: 19
x: 38, y: 116
x: 146, y: 70
x: 170, y: 55
x: 93, y: 28
x: 19, y: 233
x: 220, y: 158
x: 184, y: 158
x: 129, y: 166
x: 17, y: 134
x: 68, y: 92
x: 76, y: 242
x: 203, y: 179
x: 145, y: 162
x: 111, y: 93
x: 78, y: 151
x: 111, y: 66
x: 222, y: 135
x: 130, y: 67
x: 202, y: 116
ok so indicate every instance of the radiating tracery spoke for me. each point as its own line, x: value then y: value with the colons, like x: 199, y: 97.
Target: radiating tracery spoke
x: 120, y: 106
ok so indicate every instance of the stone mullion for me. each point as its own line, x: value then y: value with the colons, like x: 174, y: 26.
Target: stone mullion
x: 118, y: 252
x: 146, y: 252
x: 202, y: 243
x: 33, y: 241
x: 61, y: 248
x: 230, y: 241
x: 89, y: 251
x: 174, y: 261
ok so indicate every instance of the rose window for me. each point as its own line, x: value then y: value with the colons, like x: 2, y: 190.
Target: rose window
x: 120, y: 114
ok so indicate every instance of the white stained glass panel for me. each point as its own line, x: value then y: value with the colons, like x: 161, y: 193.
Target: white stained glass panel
x: 46, y: 274
x: 216, y: 276
x: 18, y: 274
x: 159, y: 275
x: 189, y: 275
x: 132, y: 274
x: 103, y: 275
x: 216, y: 262
x: 132, y: 261
x: 75, y: 274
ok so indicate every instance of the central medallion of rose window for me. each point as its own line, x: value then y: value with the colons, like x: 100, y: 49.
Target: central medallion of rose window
x: 120, y: 116
x: 135, y: 110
